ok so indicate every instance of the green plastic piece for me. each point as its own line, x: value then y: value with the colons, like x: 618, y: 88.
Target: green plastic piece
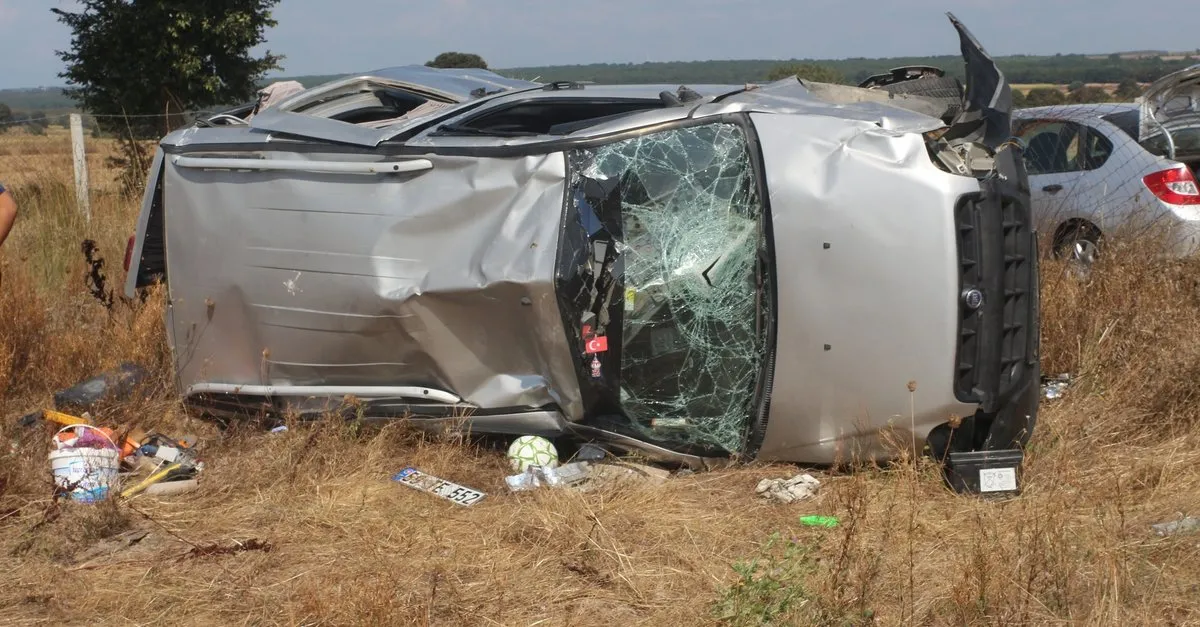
x: 819, y: 521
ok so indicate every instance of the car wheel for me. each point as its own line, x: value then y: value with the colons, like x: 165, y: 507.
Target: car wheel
x: 1078, y: 243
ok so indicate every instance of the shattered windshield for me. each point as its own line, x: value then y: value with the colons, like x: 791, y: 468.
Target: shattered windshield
x: 672, y: 221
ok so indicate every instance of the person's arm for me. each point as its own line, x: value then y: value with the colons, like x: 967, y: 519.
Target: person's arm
x: 8, y: 213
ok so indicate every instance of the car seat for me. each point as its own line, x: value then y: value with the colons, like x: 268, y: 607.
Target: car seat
x: 1047, y: 153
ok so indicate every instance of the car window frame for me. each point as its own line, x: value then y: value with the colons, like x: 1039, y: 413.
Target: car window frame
x: 1086, y: 147
x: 1080, y: 134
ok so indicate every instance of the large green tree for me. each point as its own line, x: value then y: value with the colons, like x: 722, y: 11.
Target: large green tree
x: 457, y: 60
x: 806, y: 71
x: 6, y: 117
x: 163, y: 57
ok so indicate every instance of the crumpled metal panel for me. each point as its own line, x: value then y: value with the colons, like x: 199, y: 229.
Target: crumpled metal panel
x: 442, y: 278
x: 456, y: 86
x: 790, y: 96
x: 458, y: 81
x: 868, y: 286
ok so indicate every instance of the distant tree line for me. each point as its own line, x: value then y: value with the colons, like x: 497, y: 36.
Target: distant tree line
x: 1058, y: 69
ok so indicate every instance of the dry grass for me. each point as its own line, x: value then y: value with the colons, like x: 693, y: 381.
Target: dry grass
x: 1025, y: 87
x: 347, y: 546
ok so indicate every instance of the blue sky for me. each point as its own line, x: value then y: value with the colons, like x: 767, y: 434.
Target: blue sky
x: 327, y: 36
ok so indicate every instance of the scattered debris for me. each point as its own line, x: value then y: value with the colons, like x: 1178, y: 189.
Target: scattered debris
x: 623, y: 470
x: 154, y: 478
x: 537, y: 476
x: 1054, y: 388
x: 585, y: 476
x: 452, y: 492
x: 1183, y: 525
x: 798, y: 488
x: 279, y: 429
x: 111, y: 546
x: 208, y: 550
x: 590, y: 453
x: 168, y: 488
x: 85, y: 395
x: 819, y: 521
x: 66, y: 419
x: 168, y: 461
x: 86, y: 459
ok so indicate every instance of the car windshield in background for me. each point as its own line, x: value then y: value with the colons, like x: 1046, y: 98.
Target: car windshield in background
x: 1187, y: 143
x: 1187, y: 139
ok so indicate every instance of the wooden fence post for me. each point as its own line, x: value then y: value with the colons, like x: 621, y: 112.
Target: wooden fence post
x: 81, y: 173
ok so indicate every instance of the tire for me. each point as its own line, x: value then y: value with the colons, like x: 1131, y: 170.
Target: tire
x: 944, y: 89
x: 1079, y: 243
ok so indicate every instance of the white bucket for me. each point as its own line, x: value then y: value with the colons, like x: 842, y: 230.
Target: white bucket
x: 88, y: 473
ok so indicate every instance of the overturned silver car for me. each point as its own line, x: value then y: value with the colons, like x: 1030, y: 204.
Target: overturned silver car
x: 745, y: 271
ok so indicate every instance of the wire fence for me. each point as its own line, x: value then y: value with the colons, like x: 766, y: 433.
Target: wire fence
x: 49, y: 119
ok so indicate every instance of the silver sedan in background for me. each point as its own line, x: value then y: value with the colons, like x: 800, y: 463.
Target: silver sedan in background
x: 1097, y: 168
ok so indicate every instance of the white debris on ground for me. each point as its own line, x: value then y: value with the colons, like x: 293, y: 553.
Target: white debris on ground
x: 538, y: 476
x: 1183, y: 525
x: 585, y: 476
x: 798, y: 488
x: 1055, y: 388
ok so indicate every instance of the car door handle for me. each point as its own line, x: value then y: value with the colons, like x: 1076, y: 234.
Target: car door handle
x: 1052, y: 189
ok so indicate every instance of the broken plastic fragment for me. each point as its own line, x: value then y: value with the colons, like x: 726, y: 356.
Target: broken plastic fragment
x: 1055, y: 388
x: 1185, y: 525
x: 105, y: 387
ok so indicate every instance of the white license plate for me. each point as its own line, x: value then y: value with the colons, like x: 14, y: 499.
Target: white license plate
x: 997, y: 480
x: 452, y: 492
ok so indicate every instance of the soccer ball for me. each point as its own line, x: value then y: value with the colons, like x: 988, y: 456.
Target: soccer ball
x: 532, y: 450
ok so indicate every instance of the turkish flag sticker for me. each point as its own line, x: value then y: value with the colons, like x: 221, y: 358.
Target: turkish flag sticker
x: 598, y: 344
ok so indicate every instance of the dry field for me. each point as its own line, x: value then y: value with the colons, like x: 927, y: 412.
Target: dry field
x: 347, y: 546
x: 1025, y: 87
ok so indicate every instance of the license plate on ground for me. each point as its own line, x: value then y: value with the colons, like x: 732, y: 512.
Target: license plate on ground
x: 997, y: 480
x: 452, y: 492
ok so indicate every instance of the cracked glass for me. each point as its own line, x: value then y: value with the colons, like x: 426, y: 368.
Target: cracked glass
x: 682, y: 214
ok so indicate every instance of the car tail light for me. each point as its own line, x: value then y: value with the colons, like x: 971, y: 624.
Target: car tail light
x: 129, y: 251
x: 1176, y: 186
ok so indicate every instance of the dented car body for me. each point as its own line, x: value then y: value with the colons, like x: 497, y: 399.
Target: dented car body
x: 703, y: 272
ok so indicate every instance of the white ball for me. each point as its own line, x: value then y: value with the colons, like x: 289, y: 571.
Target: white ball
x: 532, y: 450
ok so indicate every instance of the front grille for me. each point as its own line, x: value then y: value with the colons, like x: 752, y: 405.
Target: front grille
x: 996, y: 257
